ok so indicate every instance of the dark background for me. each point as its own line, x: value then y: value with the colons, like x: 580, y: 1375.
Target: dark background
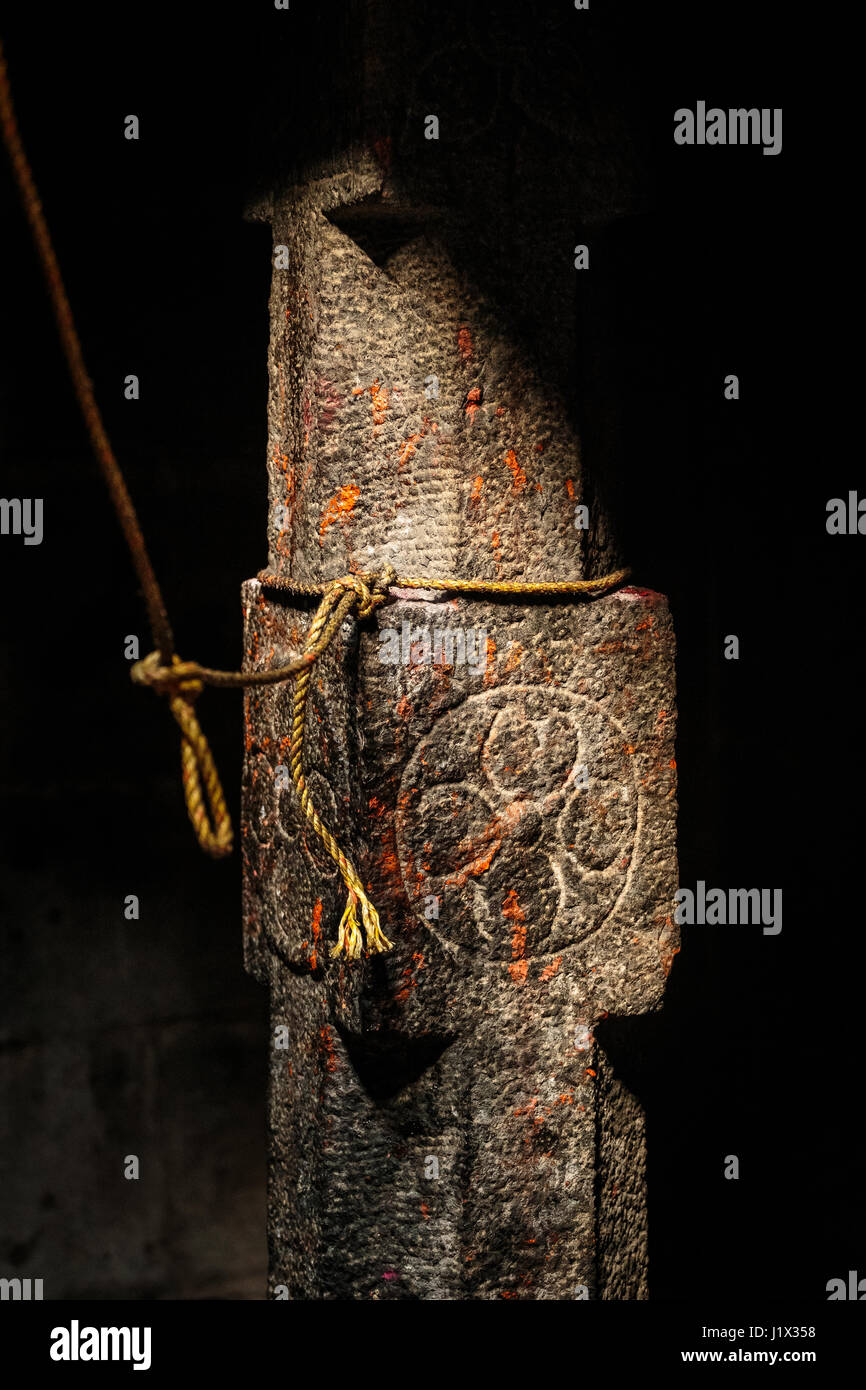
x: 146, y: 1037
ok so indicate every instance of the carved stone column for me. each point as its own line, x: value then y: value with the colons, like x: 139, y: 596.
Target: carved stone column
x: 445, y: 1120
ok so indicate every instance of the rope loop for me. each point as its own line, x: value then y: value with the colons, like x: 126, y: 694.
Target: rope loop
x: 202, y: 789
x: 183, y: 681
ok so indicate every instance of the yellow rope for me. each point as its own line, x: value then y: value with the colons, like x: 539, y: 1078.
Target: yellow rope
x: 564, y: 587
x: 183, y: 681
x: 213, y: 826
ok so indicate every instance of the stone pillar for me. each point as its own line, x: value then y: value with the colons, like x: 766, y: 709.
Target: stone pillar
x: 445, y: 1121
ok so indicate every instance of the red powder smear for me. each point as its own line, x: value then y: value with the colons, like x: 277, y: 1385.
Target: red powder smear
x: 317, y: 930
x: 331, y: 402
x: 325, y: 1034
x: 473, y: 401
x: 513, y: 911
x: 340, y: 505
x: 514, y: 657
x: 550, y: 970
x: 389, y: 1274
x: 517, y: 472
x: 490, y: 672
x: 485, y: 846
x: 380, y: 402
x: 388, y: 864
x: 477, y: 867
x: 570, y: 485
x: 425, y: 1211
x: 464, y: 344
x: 409, y: 447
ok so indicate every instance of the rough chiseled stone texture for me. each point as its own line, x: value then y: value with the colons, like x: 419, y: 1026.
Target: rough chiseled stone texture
x: 444, y: 1122
x: 397, y: 396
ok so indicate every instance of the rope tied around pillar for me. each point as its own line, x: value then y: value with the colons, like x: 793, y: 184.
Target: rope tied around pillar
x: 360, y: 594
x: 183, y: 681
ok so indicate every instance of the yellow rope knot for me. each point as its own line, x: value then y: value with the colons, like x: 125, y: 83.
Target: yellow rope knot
x: 181, y: 683
x: 371, y: 589
x: 363, y: 592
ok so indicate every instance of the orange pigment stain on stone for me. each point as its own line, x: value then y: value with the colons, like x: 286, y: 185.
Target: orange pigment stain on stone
x: 328, y: 1045
x: 479, y: 865
x: 490, y: 672
x: 316, y: 928
x: 515, y: 655
x: 477, y: 485
x: 404, y: 709
x: 512, y: 910
x: 339, y: 507
x: 409, y: 447
x: 550, y: 970
x: 380, y: 396
x: 516, y: 471
x: 486, y: 845
x: 473, y: 401
x: 464, y: 344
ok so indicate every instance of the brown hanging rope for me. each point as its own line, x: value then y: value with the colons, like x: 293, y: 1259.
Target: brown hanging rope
x: 183, y: 681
